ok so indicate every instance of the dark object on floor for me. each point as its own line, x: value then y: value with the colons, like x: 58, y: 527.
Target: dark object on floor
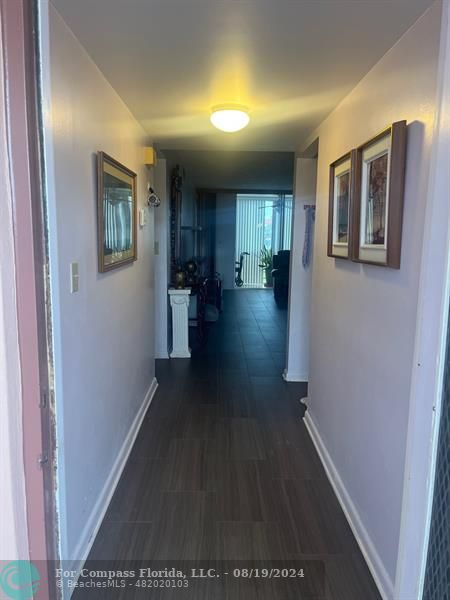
x: 280, y: 275
x: 213, y: 290
x: 239, y: 264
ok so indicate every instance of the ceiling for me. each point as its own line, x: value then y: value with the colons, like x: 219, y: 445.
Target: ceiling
x: 290, y: 61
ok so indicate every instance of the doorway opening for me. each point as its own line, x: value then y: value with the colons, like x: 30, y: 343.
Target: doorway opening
x: 243, y: 240
x: 263, y: 229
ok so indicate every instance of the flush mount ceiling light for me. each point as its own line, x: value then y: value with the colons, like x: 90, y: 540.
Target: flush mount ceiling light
x: 230, y: 117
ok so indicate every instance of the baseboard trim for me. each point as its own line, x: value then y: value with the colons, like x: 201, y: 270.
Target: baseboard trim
x: 371, y: 556
x: 101, y: 506
x: 295, y: 377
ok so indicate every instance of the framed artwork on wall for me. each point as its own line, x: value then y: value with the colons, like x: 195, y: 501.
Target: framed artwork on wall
x: 340, y: 206
x: 116, y: 213
x: 378, y: 198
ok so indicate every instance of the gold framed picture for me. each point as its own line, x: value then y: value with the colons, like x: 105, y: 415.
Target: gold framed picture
x: 116, y: 213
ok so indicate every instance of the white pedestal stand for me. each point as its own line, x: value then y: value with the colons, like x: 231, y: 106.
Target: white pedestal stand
x: 179, y: 302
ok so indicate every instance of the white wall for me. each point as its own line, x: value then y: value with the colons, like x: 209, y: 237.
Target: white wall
x: 161, y: 216
x: 104, y: 334
x: 226, y: 238
x: 430, y: 348
x: 364, y: 317
x: 297, y: 358
x: 235, y: 169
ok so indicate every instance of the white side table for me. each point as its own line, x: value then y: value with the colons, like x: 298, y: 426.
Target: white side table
x: 179, y: 302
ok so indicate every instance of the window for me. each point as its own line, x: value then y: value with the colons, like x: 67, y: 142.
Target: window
x: 262, y: 220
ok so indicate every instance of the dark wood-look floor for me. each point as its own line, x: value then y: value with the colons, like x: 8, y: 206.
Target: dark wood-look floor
x: 223, y: 470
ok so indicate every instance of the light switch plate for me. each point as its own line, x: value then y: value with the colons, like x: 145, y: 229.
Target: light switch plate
x: 74, y: 278
x: 142, y: 217
x: 156, y: 248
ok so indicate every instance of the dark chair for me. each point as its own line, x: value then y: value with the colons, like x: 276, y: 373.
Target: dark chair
x: 280, y: 274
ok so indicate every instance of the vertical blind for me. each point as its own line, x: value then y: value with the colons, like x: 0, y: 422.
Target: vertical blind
x: 287, y: 222
x: 261, y: 220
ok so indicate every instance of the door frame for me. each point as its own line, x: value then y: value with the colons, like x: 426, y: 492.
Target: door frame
x: 300, y: 279
x: 24, y: 123
x: 430, y: 348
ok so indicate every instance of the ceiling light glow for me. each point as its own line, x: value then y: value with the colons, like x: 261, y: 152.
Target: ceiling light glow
x: 230, y: 118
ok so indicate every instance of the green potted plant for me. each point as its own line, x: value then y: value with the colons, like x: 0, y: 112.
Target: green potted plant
x: 266, y: 263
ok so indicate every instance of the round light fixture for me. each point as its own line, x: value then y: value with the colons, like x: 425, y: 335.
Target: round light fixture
x: 230, y: 117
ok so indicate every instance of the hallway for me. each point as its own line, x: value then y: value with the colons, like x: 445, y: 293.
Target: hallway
x: 223, y: 475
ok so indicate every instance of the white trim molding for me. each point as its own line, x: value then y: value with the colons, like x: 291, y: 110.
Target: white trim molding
x: 295, y: 377
x: 98, y: 512
x: 381, y: 577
